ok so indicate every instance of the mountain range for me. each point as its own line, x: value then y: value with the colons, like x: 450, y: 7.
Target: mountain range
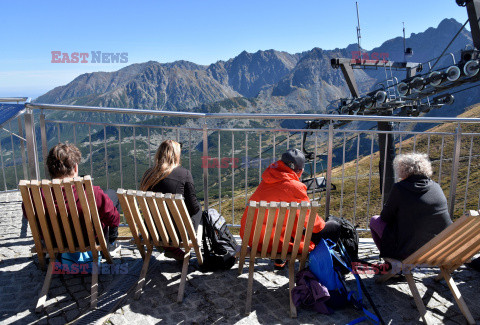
x: 267, y: 81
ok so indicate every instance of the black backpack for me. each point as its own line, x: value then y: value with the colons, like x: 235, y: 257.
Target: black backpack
x: 219, y: 246
x: 348, y: 236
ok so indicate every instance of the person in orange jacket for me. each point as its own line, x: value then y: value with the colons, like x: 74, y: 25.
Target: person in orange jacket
x: 281, y: 183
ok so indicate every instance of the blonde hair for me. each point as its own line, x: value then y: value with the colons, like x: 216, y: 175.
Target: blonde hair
x: 166, y: 159
x: 412, y: 164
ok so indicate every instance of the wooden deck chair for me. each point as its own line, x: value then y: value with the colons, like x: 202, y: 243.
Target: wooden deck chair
x: 56, y: 230
x: 286, y: 213
x: 455, y: 245
x: 152, y: 218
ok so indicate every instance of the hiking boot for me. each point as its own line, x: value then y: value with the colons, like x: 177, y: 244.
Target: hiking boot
x: 175, y: 253
x: 474, y: 264
x: 279, y: 264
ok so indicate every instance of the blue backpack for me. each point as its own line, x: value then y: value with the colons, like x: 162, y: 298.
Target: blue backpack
x: 322, y: 266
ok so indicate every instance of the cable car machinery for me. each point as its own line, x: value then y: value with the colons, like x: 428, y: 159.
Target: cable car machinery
x: 410, y: 96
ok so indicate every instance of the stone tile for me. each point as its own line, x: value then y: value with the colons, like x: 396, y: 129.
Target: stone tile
x: 209, y: 297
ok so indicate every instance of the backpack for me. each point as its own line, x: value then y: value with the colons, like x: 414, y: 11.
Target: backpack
x: 348, y: 236
x: 322, y: 265
x: 219, y: 245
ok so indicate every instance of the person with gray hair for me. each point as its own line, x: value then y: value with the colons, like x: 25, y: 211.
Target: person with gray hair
x: 415, y: 212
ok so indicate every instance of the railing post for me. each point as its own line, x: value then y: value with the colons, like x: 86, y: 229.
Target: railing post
x: 205, y: 166
x: 43, y: 135
x: 455, y: 166
x: 329, y: 169
x: 22, y: 148
x: 34, y: 172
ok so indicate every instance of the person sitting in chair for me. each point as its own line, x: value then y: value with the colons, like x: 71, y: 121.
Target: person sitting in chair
x: 62, y: 162
x: 416, y: 210
x: 281, y: 183
x: 168, y: 176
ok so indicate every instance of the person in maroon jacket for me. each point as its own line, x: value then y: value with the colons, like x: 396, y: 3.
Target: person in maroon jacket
x: 62, y: 162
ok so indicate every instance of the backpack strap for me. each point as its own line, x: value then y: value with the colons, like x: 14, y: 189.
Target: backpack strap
x: 375, y: 318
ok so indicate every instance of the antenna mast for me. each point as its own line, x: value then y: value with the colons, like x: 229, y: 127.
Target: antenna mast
x: 359, y: 36
x: 404, y: 45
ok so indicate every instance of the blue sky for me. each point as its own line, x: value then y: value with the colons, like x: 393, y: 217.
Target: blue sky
x: 201, y: 31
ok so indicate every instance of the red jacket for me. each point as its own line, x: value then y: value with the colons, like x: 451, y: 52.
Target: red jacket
x: 280, y: 184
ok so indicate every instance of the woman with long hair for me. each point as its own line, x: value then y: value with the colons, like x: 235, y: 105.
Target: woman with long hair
x: 168, y: 176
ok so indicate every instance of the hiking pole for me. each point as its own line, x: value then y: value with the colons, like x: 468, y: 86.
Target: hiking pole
x: 362, y: 285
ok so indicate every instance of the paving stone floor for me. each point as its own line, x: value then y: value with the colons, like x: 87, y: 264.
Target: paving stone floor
x: 210, y: 298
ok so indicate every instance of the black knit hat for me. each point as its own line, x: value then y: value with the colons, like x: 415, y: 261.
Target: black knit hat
x: 295, y: 159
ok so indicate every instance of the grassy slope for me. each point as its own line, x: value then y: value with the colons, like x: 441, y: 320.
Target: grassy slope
x: 353, y: 204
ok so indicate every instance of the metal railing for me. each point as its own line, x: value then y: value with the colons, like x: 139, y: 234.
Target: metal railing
x: 228, y: 159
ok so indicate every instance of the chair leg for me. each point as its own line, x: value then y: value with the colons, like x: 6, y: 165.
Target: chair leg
x: 41, y: 259
x: 458, y: 296
x: 416, y: 296
x: 143, y: 273
x: 46, y: 286
x: 241, y: 261
x: 291, y: 285
x: 94, y: 289
x: 183, y: 278
x: 248, y: 303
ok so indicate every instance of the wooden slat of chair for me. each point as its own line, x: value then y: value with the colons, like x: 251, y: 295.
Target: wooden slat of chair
x: 292, y: 214
x: 157, y: 218
x: 299, y: 230
x: 72, y: 206
x: 127, y: 212
x: 189, y: 226
x: 32, y: 220
x: 300, y: 222
x: 272, y: 209
x: 86, y: 212
x: 62, y: 209
x: 40, y: 209
x: 256, y: 237
x: 425, y: 249
x: 128, y: 202
x: 87, y: 180
x: 472, y: 247
x: 87, y: 217
x: 464, y: 253
x: 252, y: 205
x: 52, y: 213
x: 140, y: 196
x: 453, y: 249
x: 450, y: 240
x: 278, y: 229
x: 167, y: 219
x: 308, y: 233
x: 175, y: 213
x: 138, y: 219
